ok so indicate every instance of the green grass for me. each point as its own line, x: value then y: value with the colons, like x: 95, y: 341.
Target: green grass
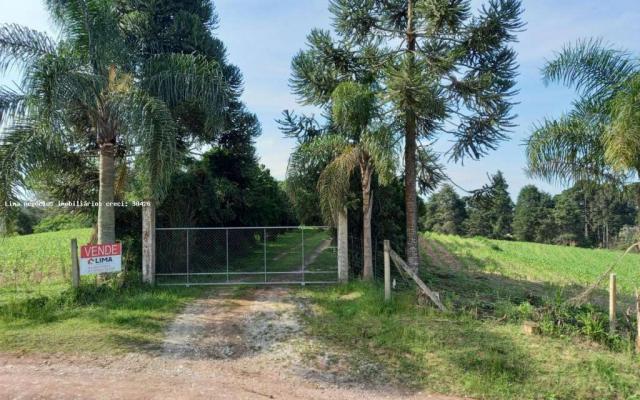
x: 558, y: 265
x: 93, y: 320
x: 39, y: 312
x: 31, y: 261
x: 478, y: 348
x: 456, y: 353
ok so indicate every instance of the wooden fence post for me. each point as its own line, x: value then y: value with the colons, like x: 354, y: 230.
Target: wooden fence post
x: 612, y: 303
x: 387, y: 271
x: 75, y: 268
x: 637, y: 321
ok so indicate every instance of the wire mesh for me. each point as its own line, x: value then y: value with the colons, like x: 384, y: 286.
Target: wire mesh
x: 247, y: 255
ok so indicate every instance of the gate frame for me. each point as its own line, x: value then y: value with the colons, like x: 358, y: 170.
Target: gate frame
x: 149, y: 256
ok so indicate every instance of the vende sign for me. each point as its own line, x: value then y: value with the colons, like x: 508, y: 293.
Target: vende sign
x: 100, y: 258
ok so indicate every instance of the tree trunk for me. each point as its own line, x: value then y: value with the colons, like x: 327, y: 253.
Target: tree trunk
x: 149, y: 243
x: 343, y: 246
x: 367, y: 196
x: 410, y: 179
x: 106, y: 213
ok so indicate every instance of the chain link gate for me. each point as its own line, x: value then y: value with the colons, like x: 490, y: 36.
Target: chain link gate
x: 246, y: 256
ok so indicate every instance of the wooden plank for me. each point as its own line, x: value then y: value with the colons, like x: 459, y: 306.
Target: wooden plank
x: 75, y: 268
x: 402, y: 265
x: 637, y: 321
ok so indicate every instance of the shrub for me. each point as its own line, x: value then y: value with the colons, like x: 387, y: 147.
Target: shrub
x: 58, y: 222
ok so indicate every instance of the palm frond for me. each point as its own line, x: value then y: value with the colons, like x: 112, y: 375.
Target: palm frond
x: 12, y: 104
x: 23, y: 148
x: 565, y: 150
x: 383, y: 152
x: 622, y: 138
x: 20, y: 46
x: 90, y: 27
x: 590, y: 67
x: 150, y: 127
x: 334, y: 182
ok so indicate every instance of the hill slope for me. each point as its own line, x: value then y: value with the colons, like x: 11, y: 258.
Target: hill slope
x: 560, y: 266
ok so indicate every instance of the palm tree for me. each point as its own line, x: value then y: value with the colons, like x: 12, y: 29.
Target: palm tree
x: 595, y: 141
x: 599, y: 132
x: 354, y: 143
x: 92, y: 92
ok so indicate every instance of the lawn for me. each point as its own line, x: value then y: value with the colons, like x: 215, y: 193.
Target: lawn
x: 478, y: 347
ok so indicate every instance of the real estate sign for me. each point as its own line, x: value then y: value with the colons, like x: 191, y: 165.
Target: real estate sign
x: 100, y: 258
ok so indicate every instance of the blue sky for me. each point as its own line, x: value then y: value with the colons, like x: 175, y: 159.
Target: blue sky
x: 263, y: 35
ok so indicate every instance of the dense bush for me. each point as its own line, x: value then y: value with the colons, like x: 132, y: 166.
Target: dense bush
x: 62, y: 221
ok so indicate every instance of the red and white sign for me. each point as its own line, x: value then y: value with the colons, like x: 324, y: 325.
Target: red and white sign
x: 100, y: 258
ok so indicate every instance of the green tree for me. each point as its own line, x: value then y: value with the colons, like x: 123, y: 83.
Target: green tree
x: 569, y: 218
x: 441, y: 70
x: 355, y: 141
x: 93, y: 90
x: 490, y: 209
x: 533, y: 219
x: 445, y: 212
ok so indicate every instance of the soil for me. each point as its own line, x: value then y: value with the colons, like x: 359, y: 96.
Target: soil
x: 222, y: 346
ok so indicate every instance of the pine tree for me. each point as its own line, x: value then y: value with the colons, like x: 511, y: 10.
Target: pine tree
x: 533, y: 216
x: 490, y: 209
x: 445, y: 212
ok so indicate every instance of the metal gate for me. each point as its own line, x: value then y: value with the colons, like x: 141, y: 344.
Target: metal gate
x: 246, y: 256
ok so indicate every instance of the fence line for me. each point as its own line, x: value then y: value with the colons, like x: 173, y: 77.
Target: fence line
x: 245, y: 255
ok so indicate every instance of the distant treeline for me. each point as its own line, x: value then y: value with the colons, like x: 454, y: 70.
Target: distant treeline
x: 588, y: 214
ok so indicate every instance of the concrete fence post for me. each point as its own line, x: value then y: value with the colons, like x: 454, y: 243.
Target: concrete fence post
x: 149, y: 243
x: 387, y: 271
x: 343, y: 246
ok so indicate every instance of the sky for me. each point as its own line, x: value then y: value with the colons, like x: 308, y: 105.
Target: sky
x: 262, y: 36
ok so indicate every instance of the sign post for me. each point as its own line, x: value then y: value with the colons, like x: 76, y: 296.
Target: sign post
x: 100, y: 258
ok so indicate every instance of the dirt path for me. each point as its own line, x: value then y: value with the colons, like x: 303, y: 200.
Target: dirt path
x: 223, y: 346
x: 439, y: 255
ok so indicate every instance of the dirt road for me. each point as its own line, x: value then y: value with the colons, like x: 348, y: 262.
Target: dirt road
x: 222, y: 346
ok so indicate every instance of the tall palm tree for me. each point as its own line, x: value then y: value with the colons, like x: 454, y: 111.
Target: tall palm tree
x: 91, y: 90
x: 356, y: 142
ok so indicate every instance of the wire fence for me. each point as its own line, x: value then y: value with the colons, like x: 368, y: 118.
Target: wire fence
x: 246, y: 255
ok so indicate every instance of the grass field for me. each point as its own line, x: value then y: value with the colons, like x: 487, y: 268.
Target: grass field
x: 40, y: 313
x: 478, y: 347
x: 36, y: 262
x: 541, y: 262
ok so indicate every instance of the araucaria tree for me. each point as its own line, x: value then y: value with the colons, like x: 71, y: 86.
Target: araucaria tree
x: 439, y: 69
x: 92, y: 92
